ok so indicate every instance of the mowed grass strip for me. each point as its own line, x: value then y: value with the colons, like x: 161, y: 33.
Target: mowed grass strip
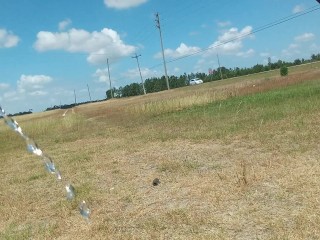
x: 259, y: 116
x: 245, y: 166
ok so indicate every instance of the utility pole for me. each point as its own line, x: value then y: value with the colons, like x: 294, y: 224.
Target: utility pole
x: 89, y: 92
x: 75, y: 97
x: 109, y: 78
x: 137, y: 57
x: 164, y: 60
x: 269, y: 62
x: 219, y: 66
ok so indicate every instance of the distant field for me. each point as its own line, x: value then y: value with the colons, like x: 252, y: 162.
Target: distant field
x: 237, y: 159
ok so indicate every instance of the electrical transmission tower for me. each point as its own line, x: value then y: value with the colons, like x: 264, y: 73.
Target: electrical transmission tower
x: 137, y: 57
x: 163, y: 57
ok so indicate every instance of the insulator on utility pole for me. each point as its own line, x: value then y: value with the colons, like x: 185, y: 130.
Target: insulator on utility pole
x: 137, y: 57
x: 163, y: 57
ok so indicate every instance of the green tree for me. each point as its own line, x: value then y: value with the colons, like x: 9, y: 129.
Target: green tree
x: 284, y: 71
x: 155, y: 84
x: 297, y: 61
x: 133, y: 89
x: 109, y: 92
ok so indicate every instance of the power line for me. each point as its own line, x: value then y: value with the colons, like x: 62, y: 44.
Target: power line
x: 259, y: 29
x: 264, y: 27
x: 270, y: 25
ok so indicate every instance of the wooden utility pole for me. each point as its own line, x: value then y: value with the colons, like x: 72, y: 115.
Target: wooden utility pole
x: 163, y: 57
x: 89, y: 92
x: 219, y: 66
x: 137, y: 57
x: 109, y: 78
x: 75, y: 97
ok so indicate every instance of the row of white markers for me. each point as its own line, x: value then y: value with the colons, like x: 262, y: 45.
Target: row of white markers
x: 32, y: 147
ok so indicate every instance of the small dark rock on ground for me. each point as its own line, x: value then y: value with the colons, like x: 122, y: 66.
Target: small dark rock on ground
x: 156, y: 182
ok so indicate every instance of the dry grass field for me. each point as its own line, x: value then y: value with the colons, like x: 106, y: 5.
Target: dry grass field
x: 236, y: 159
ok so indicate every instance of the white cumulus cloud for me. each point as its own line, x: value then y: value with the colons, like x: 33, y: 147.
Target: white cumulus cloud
x: 32, y: 82
x: 306, y: 37
x: 64, y: 24
x: 99, y: 45
x: 231, y: 41
x: 300, y: 44
x: 4, y: 86
x: 8, y: 39
x: 123, y: 4
x: 246, y: 54
x: 101, y: 74
x: 293, y: 49
x: 181, y: 51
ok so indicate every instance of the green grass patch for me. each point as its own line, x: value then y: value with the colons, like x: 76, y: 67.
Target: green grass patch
x: 281, y: 109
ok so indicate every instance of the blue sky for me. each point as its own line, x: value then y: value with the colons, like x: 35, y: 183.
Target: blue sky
x: 49, y: 49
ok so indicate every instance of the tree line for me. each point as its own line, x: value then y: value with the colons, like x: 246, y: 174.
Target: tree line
x: 156, y: 84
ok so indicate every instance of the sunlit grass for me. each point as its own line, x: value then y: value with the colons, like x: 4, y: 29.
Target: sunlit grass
x: 246, y: 115
x: 235, y: 161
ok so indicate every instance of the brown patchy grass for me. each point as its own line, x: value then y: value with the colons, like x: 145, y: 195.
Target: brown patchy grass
x: 227, y: 169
